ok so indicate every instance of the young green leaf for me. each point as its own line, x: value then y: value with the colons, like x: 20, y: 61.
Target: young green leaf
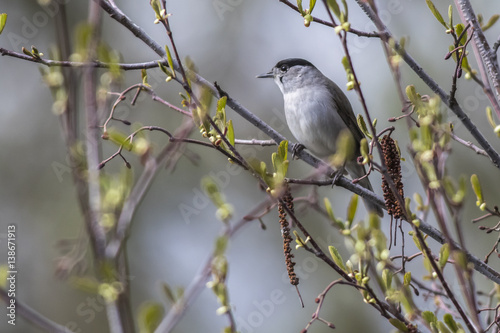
x: 436, y: 13
x: 168, y: 292
x: 230, y: 132
x: 411, y: 92
x: 299, y: 6
x: 450, y: 322
x: 337, y: 258
x: 387, y: 278
x: 144, y: 76
x: 489, y: 115
x: 351, y: 208
x: 450, y: 15
x: 476, y: 186
x: 407, y: 279
x: 155, y: 4
x: 169, y: 60
x: 398, y: 324
x: 329, y: 210
x: 444, y: 254
x: 334, y: 7
x: 442, y: 327
x: 485, y: 27
x: 362, y: 126
x: 312, y: 3
x: 149, y: 316
x: 283, y: 150
x: 429, y: 317
x: 3, y: 21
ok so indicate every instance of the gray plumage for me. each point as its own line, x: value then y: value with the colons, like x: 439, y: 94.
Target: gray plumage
x: 316, y: 112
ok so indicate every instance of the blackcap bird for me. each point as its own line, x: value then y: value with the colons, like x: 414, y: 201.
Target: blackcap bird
x: 316, y: 112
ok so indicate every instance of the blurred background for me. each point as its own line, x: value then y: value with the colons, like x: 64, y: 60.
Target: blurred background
x: 230, y: 41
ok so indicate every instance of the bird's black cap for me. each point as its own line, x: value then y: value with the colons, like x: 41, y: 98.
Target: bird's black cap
x: 294, y: 62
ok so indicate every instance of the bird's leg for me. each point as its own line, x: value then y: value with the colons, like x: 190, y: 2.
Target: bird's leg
x: 336, y: 175
x: 296, y: 149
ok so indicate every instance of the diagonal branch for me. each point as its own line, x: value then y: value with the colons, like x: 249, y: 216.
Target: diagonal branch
x: 484, y: 50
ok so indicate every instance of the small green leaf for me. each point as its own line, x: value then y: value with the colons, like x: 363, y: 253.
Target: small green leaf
x: 144, y: 76
x: 429, y: 317
x: 398, y: 324
x: 155, y: 4
x: 365, y: 151
x: 119, y: 138
x: 476, y: 186
x: 28, y: 53
x: 337, y: 258
x: 329, y: 210
x: 283, y: 149
x: 412, y: 94
x: 334, y: 7
x: 450, y: 15
x: 450, y: 322
x: 164, y: 69
x: 416, y: 240
x: 149, y: 316
x: 312, y: 3
x: 444, y: 254
x: 485, y: 27
x: 169, y: 60
x: 3, y: 21
x: 489, y: 115
x: 459, y: 28
x: 436, y: 13
x: 230, y: 132
x: 168, y: 292
x: 299, y: 6
x: 221, y: 103
x: 362, y: 126
x: 387, y: 278
x: 407, y: 279
x: 351, y: 208
x: 442, y: 327
x: 346, y: 12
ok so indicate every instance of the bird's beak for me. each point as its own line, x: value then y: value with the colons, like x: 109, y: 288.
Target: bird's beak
x: 265, y: 75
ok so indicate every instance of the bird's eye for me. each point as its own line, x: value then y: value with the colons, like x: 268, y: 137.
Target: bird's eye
x: 284, y: 68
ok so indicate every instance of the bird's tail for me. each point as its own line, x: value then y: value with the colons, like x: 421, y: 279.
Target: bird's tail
x: 358, y: 171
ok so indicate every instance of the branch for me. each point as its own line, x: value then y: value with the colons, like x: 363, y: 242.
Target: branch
x: 333, y: 25
x: 484, y: 50
x: 79, y: 64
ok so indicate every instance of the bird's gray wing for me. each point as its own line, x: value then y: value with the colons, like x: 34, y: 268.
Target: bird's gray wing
x: 347, y: 116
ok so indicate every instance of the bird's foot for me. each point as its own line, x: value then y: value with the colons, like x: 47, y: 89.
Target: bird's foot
x: 336, y: 176
x: 296, y: 149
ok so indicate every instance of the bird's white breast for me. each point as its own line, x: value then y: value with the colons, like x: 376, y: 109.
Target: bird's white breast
x: 312, y: 117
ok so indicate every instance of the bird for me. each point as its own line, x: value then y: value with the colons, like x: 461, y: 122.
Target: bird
x: 317, y: 111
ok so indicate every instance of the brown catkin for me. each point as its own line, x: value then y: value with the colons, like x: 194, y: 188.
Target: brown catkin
x: 285, y: 229
x: 393, y: 163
